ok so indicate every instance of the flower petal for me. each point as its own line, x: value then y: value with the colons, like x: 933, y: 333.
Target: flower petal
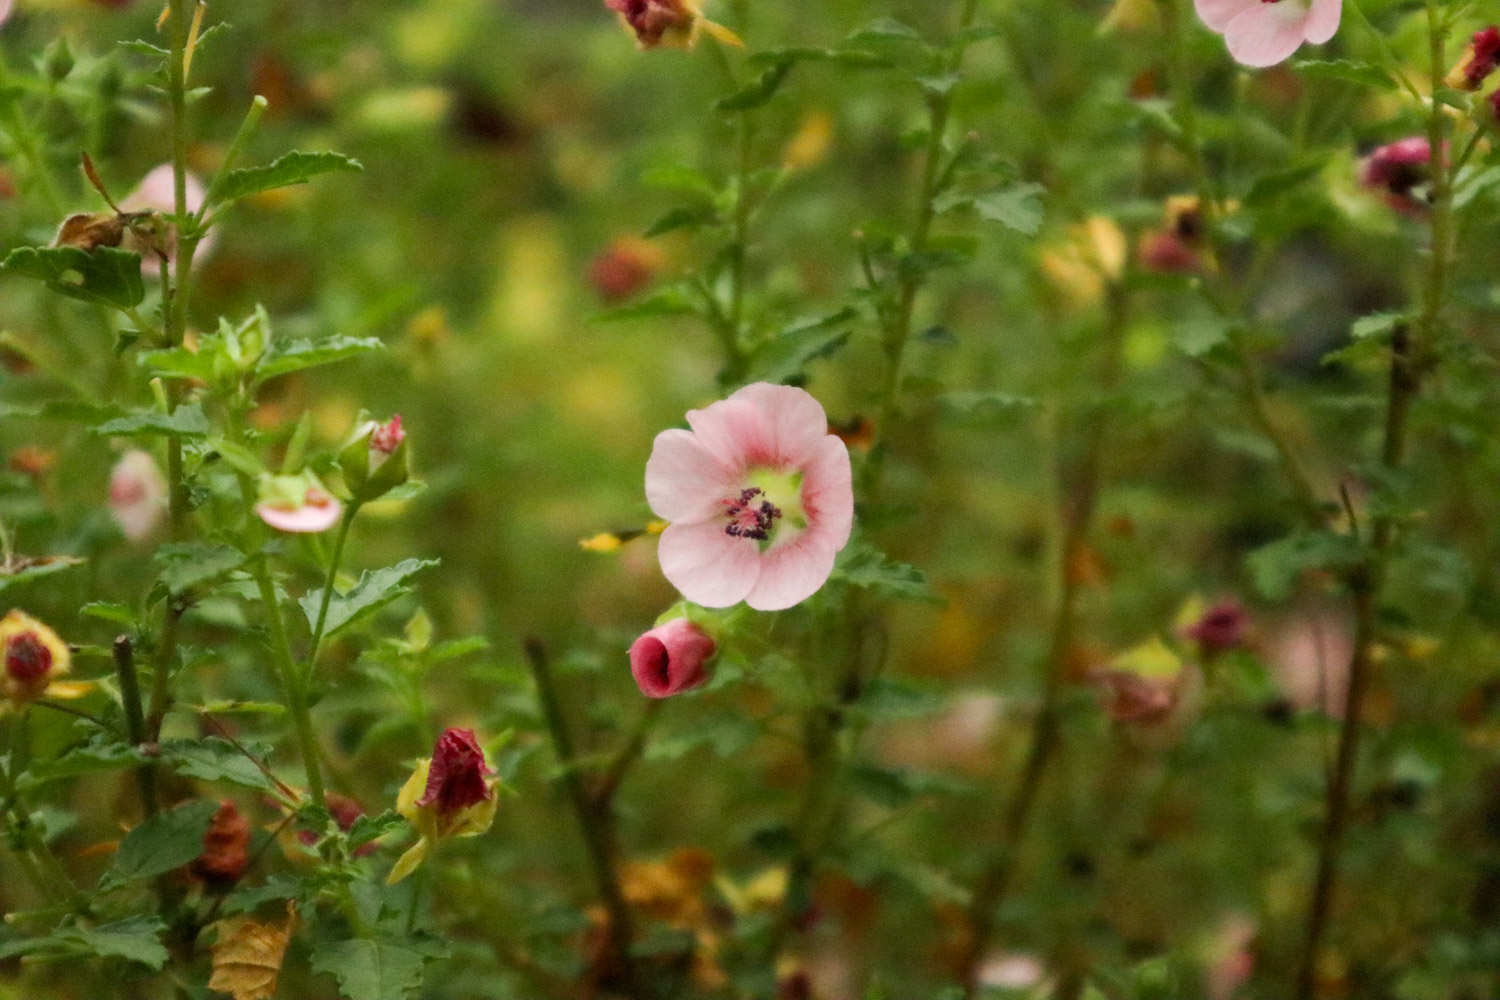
x: 684, y: 480
x: 1323, y: 21
x: 709, y: 567
x: 792, y: 573
x: 738, y: 433
x: 828, y: 492
x: 1266, y: 33
x: 307, y: 519
x: 797, y: 420
x: 1216, y: 14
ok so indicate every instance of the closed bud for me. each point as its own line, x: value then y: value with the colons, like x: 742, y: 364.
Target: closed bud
x: 57, y: 60
x: 671, y: 658
x: 34, y: 656
x: 1481, y: 58
x: 374, y: 460
x: 450, y: 795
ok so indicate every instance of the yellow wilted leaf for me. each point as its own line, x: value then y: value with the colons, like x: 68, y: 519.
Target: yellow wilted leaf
x: 247, y: 956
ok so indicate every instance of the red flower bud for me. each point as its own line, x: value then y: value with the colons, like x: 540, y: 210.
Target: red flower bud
x: 670, y: 658
x: 656, y: 22
x: 1221, y: 627
x: 456, y: 777
x: 1480, y: 60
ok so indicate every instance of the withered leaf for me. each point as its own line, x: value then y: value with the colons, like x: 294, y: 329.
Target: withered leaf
x: 90, y: 230
x: 248, y: 954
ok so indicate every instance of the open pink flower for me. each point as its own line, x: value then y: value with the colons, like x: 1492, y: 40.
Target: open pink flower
x: 760, y: 497
x: 1265, y: 32
x: 670, y: 658
x: 297, y: 504
x: 137, y: 494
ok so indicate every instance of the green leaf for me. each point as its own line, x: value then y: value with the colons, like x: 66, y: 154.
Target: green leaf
x: 164, y: 842
x: 373, y: 591
x: 865, y: 566
x: 293, y: 168
x: 137, y: 939
x: 215, y: 760
x: 1348, y: 70
x: 22, y: 569
x: 187, y: 420
x: 1268, y: 187
x: 683, y: 217
x: 368, y: 828
x: 1277, y: 566
x: 178, y: 362
x: 1016, y: 207
x: 758, y: 92
x: 185, y: 565
x: 105, y: 275
x: 789, y: 352
x: 666, y: 302
x: 981, y: 403
x: 96, y: 757
x: 1379, y: 325
x: 294, y: 355
x: 725, y: 733
x: 371, y: 969
x: 886, y: 698
x: 884, y: 29
x: 108, y: 611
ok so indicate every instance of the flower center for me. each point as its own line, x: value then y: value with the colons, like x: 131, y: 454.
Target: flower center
x: 27, y: 658
x: 767, y: 509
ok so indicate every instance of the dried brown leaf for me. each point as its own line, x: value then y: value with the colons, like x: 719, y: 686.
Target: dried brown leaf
x: 248, y: 954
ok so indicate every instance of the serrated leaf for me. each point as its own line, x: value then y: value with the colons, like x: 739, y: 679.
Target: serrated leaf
x: 187, y: 420
x: 104, y: 275
x: 92, y: 758
x: 215, y: 760
x: 292, y: 168
x: 1017, y: 207
x: 976, y: 403
x: 185, y: 565
x: 137, y: 939
x: 864, y: 566
x: 373, y: 591
x: 371, y: 969
x: 1348, y: 70
x: 801, y: 342
x: 289, y: 356
x: 164, y: 842
x: 1276, y: 567
x: 368, y: 828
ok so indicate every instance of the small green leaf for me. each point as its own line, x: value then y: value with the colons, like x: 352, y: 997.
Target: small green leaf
x: 185, y: 565
x: 105, y: 275
x: 294, y: 355
x: 758, y: 92
x: 683, y: 217
x: 108, y: 611
x: 1268, y: 187
x: 666, y: 302
x: 369, y: 828
x: 136, y: 939
x: 22, y: 569
x: 178, y: 362
x: 862, y: 565
x: 984, y: 403
x: 371, y: 969
x: 1277, y: 566
x: 884, y: 29
x: 373, y: 591
x: 1379, y: 325
x: 187, y: 420
x: 164, y: 842
x: 215, y: 760
x: 1347, y: 70
x: 1017, y: 207
x: 293, y: 168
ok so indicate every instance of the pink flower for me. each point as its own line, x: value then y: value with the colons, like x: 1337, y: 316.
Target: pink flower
x: 670, y: 658
x: 386, y: 437
x: 4, y: 10
x: 760, y: 497
x: 1221, y: 627
x: 1480, y: 60
x: 297, y: 504
x: 1165, y: 252
x: 456, y: 777
x: 157, y: 193
x: 1265, y: 32
x: 1399, y: 169
x: 137, y: 494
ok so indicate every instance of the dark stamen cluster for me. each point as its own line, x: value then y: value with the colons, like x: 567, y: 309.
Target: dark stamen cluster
x: 747, y: 519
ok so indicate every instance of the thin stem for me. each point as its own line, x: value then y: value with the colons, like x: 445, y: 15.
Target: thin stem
x: 1367, y: 579
x: 629, y: 753
x: 296, y: 693
x: 135, y: 720
x: 333, y: 571
x: 594, y: 822
x: 1076, y: 518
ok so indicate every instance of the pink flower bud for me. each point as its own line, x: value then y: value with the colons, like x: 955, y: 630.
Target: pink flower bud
x: 456, y: 777
x: 137, y: 494
x: 387, y: 436
x: 1480, y: 60
x: 1399, y: 169
x: 1167, y: 253
x: 1222, y: 627
x: 670, y: 658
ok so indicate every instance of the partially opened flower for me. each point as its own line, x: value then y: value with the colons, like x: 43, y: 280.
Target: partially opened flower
x: 1265, y: 32
x: 671, y: 658
x: 35, y: 660
x: 1402, y: 170
x: 157, y: 192
x: 1142, y: 684
x: 137, y: 494
x: 450, y: 795
x: 297, y: 504
x: 1481, y: 58
x: 760, y: 497
x: 667, y: 23
x: 374, y: 459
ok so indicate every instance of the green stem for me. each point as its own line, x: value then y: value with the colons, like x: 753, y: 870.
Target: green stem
x: 291, y: 681
x: 135, y: 720
x: 1366, y: 580
x: 333, y: 570
x: 595, y: 822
